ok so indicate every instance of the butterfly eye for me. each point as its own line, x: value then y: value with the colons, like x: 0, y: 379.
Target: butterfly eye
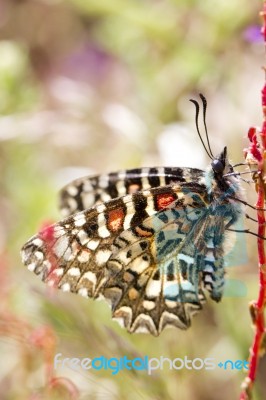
x: 217, y: 166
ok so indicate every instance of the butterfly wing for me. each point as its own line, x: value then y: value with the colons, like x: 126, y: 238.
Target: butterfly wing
x: 137, y: 252
x: 158, y: 280
x: 84, y: 193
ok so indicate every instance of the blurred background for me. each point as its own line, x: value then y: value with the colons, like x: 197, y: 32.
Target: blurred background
x: 91, y: 86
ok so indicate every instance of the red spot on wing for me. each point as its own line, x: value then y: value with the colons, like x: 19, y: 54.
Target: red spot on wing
x: 47, y: 234
x: 164, y: 200
x: 115, y: 220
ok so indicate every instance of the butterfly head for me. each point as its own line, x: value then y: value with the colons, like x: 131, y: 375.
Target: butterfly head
x: 221, y: 177
x: 220, y: 165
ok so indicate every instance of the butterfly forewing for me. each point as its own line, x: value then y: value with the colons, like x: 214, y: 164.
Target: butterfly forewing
x: 84, y: 193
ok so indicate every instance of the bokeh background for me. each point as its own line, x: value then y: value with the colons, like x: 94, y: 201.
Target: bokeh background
x: 91, y: 86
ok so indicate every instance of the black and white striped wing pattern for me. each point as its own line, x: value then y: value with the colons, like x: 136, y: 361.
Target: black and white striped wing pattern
x: 149, y: 254
x: 84, y: 193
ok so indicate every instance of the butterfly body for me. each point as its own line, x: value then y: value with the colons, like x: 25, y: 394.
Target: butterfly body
x: 149, y: 241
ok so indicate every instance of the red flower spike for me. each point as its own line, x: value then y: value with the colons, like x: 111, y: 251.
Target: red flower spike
x: 253, y: 153
x: 263, y: 132
x: 263, y: 92
x: 257, y: 150
x: 256, y: 153
x: 263, y: 29
x: 251, y: 133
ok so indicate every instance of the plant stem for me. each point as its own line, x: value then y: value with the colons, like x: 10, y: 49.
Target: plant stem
x: 257, y: 152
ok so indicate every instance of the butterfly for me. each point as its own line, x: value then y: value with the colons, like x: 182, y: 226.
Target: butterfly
x: 150, y: 241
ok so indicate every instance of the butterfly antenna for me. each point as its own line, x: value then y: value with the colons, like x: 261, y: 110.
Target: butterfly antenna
x: 204, y: 102
x: 197, y: 125
x: 240, y: 164
x: 240, y: 173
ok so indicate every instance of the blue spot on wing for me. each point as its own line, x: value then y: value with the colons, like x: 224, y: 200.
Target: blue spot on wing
x: 171, y: 292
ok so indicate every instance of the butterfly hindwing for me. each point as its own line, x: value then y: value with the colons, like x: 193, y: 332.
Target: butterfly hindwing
x: 162, y: 283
